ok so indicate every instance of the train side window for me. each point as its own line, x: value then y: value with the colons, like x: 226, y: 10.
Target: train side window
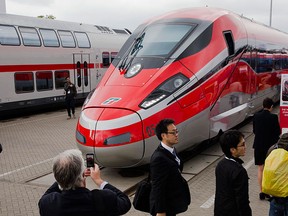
x: 79, y: 77
x: 285, y: 63
x: 24, y: 82
x: 86, y: 73
x: 82, y: 40
x: 30, y: 36
x: 67, y: 39
x: 60, y: 78
x: 264, y: 62
x: 230, y: 42
x: 113, y: 55
x: 49, y: 37
x: 44, y: 80
x: 9, y: 36
x: 106, y: 59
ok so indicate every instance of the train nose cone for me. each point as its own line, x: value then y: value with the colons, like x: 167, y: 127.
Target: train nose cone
x: 115, y: 136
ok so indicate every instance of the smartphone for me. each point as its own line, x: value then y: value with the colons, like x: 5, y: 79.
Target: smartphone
x: 90, y: 160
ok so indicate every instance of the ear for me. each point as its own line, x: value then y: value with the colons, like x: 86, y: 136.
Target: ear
x: 162, y: 135
x: 233, y: 150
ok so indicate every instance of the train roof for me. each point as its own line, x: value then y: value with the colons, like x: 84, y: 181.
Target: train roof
x: 203, y: 13
x: 18, y: 20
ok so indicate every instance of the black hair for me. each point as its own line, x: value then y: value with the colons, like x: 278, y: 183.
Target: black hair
x: 162, y: 127
x: 268, y: 103
x: 230, y: 139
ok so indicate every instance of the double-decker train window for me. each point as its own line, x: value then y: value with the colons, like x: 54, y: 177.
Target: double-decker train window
x: 44, y: 80
x: 82, y: 40
x: 49, y: 37
x: 24, y: 82
x: 86, y: 73
x: 9, y: 35
x: 79, y: 77
x: 67, y: 39
x: 60, y: 78
x: 30, y: 36
x: 106, y: 59
x: 113, y: 55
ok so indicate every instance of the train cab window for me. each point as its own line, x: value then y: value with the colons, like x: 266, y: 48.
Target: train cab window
x: 113, y: 55
x: 60, y: 78
x: 30, y: 36
x: 24, y: 82
x: 67, y: 39
x: 106, y: 59
x: 9, y: 35
x: 49, y: 38
x: 44, y: 80
x: 161, y: 39
x: 230, y: 42
x: 82, y: 40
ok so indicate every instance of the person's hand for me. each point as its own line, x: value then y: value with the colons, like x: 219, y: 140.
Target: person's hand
x: 95, y: 175
x: 87, y: 172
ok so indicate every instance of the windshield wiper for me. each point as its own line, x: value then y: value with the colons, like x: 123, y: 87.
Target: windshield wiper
x: 137, y: 45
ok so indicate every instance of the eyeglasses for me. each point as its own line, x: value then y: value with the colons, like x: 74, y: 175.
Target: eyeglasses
x: 176, y: 132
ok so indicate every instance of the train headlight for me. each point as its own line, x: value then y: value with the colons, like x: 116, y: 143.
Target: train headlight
x: 80, y: 138
x: 133, y: 70
x: 164, y: 90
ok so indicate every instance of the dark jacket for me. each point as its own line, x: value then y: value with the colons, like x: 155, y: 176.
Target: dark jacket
x: 82, y: 201
x: 170, y: 192
x: 70, y: 91
x: 266, y: 129
x: 232, y: 195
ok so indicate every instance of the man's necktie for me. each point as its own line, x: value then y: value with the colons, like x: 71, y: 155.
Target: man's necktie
x: 175, y: 155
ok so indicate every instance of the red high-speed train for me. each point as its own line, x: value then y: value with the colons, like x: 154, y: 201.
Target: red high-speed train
x: 207, y: 68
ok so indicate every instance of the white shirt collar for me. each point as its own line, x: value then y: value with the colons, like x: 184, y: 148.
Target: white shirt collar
x: 230, y: 159
x: 167, y: 147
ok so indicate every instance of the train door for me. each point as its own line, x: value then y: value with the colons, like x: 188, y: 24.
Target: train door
x: 82, y: 74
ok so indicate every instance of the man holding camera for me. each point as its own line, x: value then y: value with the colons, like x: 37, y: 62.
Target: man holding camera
x: 69, y: 195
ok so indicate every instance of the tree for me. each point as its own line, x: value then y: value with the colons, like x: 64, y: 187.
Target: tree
x: 46, y: 17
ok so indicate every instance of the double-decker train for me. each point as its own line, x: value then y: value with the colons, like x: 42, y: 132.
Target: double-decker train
x: 37, y: 54
x: 207, y: 68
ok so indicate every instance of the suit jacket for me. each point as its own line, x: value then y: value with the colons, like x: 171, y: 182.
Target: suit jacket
x: 266, y: 129
x: 232, y: 189
x: 170, y: 192
x: 82, y: 201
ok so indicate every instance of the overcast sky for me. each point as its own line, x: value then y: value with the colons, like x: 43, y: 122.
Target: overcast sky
x: 130, y: 13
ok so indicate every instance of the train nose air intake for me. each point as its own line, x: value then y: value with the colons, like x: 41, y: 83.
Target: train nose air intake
x: 119, y: 138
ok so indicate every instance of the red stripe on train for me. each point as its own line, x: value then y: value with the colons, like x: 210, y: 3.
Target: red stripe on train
x: 13, y: 68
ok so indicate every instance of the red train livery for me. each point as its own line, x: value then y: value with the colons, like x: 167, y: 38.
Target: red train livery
x: 207, y: 68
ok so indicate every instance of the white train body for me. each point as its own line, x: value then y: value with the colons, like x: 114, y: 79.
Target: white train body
x: 37, y: 54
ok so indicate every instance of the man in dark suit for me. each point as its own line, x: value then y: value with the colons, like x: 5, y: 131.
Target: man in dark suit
x: 267, y: 130
x: 170, y: 193
x: 232, y: 188
x: 69, y: 195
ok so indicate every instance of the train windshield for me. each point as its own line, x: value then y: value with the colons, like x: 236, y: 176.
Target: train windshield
x: 160, y: 39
